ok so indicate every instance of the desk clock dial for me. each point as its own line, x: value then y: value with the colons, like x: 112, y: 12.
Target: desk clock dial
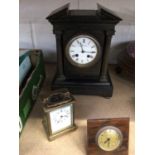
x: 82, y: 51
x: 109, y: 138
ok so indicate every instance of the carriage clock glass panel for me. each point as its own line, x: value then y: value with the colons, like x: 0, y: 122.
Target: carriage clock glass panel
x: 61, y: 118
x: 82, y: 50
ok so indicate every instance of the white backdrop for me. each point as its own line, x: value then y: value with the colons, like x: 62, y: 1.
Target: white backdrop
x: 36, y: 32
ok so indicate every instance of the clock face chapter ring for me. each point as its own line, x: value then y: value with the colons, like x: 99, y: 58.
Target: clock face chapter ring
x: 83, y: 51
x: 109, y: 138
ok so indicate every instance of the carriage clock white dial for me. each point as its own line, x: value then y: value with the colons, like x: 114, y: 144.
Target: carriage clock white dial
x: 61, y: 118
x: 82, y: 51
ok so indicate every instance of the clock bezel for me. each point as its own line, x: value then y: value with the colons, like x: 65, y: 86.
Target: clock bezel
x: 87, y: 64
x: 103, y: 129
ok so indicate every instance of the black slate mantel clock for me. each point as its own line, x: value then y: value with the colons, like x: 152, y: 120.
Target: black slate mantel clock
x: 83, y: 39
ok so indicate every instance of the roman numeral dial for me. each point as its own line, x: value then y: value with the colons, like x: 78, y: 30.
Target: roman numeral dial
x: 82, y: 50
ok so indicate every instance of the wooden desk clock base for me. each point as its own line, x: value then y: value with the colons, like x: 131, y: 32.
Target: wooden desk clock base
x: 85, y: 87
x: 108, y: 136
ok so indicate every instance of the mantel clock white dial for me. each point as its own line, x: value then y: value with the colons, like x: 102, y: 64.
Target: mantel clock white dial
x: 83, y: 51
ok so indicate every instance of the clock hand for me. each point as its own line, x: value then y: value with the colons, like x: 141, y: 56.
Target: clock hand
x: 109, y: 142
x: 108, y: 139
x: 89, y: 56
x: 81, y: 46
x: 75, y: 55
x: 105, y: 141
x: 83, y: 50
x: 89, y: 52
x: 64, y: 115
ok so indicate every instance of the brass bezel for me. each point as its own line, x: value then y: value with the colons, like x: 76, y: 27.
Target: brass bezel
x: 118, y: 131
x: 90, y: 63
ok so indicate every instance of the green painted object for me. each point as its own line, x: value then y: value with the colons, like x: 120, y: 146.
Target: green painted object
x: 30, y: 87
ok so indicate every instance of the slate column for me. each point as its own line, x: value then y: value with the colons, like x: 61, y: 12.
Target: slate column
x: 104, y: 68
x: 60, y: 72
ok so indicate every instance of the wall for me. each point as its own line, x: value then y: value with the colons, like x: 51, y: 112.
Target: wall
x: 36, y: 32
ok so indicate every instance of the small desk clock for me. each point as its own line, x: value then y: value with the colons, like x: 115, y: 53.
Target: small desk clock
x: 108, y: 136
x: 83, y: 39
x: 59, y: 113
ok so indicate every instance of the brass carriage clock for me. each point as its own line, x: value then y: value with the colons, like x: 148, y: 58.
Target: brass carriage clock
x: 83, y: 39
x: 58, y: 113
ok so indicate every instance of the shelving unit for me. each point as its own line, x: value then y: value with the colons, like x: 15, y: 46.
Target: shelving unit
x: 33, y: 140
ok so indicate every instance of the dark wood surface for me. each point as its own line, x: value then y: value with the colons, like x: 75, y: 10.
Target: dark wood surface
x: 93, y: 125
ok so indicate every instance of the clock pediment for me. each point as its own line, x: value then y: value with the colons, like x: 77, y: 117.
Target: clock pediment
x: 59, y: 13
x: 101, y: 15
x: 107, y: 14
